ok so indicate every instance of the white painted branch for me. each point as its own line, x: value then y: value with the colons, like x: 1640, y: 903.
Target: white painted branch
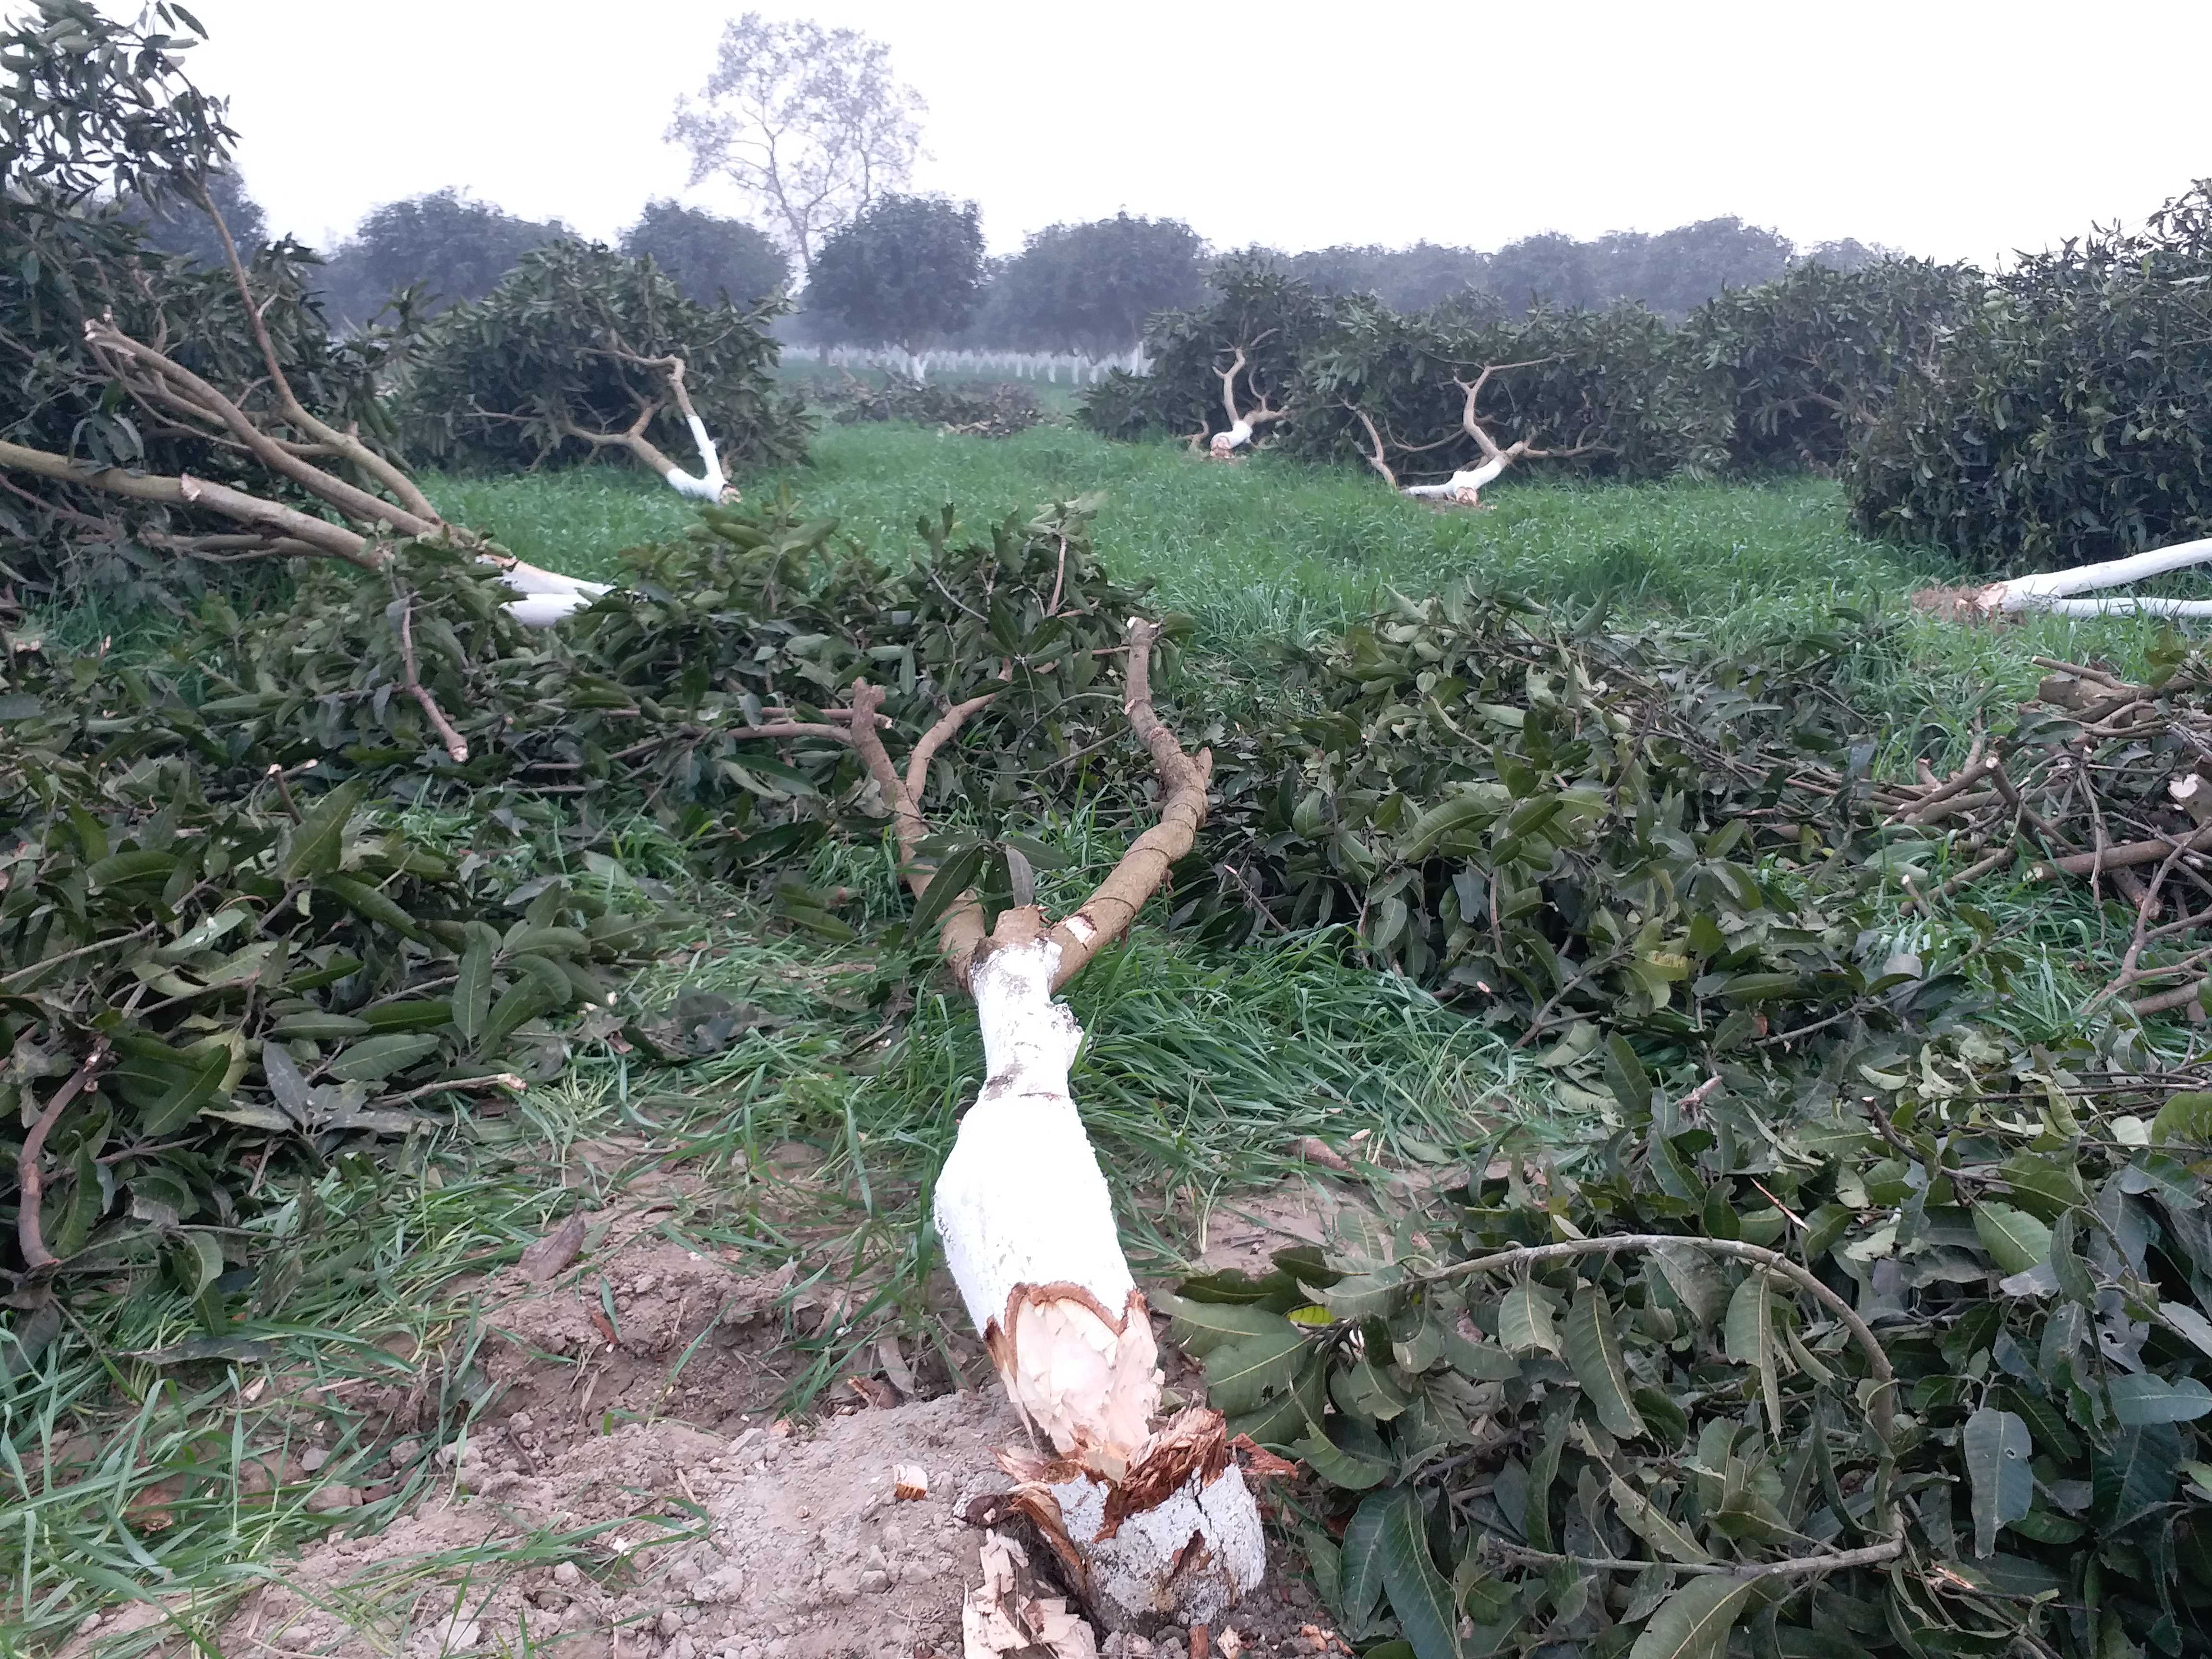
x: 711, y: 483
x: 1235, y: 438
x: 1461, y: 487
x: 549, y: 596
x: 2048, y: 590
x: 1028, y: 1227
x: 2121, y: 605
x: 2020, y: 593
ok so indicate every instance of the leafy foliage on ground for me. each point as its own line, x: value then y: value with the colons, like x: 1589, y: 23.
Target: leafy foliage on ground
x: 2062, y: 418
x: 230, y: 930
x: 1609, y: 384
x: 1574, y: 832
x: 1519, y: 1420
x: 510, y: 379
x: 1272, y: 316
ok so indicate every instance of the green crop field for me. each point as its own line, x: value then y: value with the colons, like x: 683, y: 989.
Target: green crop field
x: 1204, y: 1068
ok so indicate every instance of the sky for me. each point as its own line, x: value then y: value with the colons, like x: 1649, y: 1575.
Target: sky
x: 1946, y: 128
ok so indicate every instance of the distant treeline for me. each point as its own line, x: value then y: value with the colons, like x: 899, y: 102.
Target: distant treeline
x: 1087, y: 287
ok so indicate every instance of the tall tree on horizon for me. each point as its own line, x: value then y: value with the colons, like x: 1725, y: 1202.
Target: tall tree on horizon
x: 807, y: 123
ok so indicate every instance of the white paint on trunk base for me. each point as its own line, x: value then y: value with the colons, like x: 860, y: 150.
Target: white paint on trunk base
x: 2049, y: 590
x: 1028, y: 1227
x: 1028, y: 1224
x: 1461, y: 487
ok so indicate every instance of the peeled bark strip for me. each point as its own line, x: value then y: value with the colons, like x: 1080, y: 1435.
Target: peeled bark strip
x: 1005, y: 1616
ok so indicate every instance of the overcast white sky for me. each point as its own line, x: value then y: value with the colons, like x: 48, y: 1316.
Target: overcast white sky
x: 1954, y: 128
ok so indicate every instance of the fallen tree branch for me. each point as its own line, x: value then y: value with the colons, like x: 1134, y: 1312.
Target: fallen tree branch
x: 1881, y: 1408
x: 2048, y: 590
x: 456, y: 745
x: 30, y: 1238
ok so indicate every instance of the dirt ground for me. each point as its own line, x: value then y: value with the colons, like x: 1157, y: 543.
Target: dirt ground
x: 630, y: 1493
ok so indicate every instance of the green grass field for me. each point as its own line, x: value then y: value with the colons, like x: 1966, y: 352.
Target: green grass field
x: 1202, y: 1071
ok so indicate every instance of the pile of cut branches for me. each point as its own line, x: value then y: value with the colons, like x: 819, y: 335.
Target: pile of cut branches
x: 984, y: 412
x: 1574, y: 831
x: 232, y: 928
x: 2101, y: 779
x: 1918, y: 1368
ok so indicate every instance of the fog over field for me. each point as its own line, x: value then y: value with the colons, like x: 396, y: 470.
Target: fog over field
x: 1945, y: 130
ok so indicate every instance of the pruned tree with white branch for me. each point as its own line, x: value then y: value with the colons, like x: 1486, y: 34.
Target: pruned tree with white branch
x: 1244, y: 425
x: 1026, y: 1219
x: 1465, y: 486
x: 808, y: 123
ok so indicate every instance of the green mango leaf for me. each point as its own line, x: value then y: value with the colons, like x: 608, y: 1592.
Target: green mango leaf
x: 1696, y: 1279
x: 2015, y: 1240
x: 2192, y: 1324
x: 185, y: 1099
x: 1649, y: 1522
x: 374, y: 1058
x: 1694, y: 1622
x: 1359, y: 1569
x: 1201, y: 1327
x: 520, y: 1003
x: 2134, y: 1472
x: 372, y: 904
x: 2185, y: 1117
x: 472, y: 985
x: 319, y: 838
x: 1420, y: 1595
x: 953, y: 876
x: 2072, y: 1273
x: 1354, y: 1467
x: 1593, y: 1348
x: 1242, y: 1373
x: 1996, y: 1447
x: 1524, y: 1322
x: 1751, y: 1341
x: 2139, y: 1398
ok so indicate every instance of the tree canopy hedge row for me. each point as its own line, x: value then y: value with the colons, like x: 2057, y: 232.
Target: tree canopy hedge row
x: 567, y: 343
x: 2062, y: 417
x: 2047, y: 415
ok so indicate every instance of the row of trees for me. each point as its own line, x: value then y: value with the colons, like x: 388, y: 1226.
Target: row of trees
x: 2044, y: 416
x: 1779, y: 375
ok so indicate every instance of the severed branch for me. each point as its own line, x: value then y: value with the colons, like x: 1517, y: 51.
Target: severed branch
x: 1143, y: 870
x: 2051, y: 590
x: 456, y: 745
x: 394, y: 479
x: 168, y: 376
x: 181, y: 490
x: 29, y: 1236
x: 710, y: 484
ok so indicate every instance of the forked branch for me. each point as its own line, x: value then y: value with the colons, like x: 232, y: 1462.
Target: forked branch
x: 1100, y: 919
x: 1242, y: 424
